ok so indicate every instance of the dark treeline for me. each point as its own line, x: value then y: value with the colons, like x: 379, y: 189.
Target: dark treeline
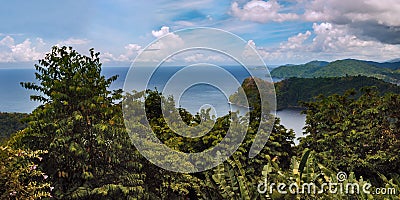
x: 10, y: 123
x: 290, y: 92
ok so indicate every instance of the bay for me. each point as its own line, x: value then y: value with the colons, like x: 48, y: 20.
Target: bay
x: 293, y: 119
x: 15, y: 98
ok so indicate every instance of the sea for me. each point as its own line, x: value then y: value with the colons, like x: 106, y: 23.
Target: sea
x: 15, y: 98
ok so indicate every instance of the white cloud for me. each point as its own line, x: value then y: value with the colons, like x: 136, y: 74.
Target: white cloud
x: 7, y: 41
x: 29, y: 50
x: 253, y: 55
x: 384, y: 11
x: 296, y: 42
x: 202, y: 58
x: 18, y: 52
x: 261, y: 12
x: 107, y: 57
x: 161, y: 49
x: 337, y: 38
x: 170, y: 41
x: 129, y: 54
x: 376, y: 20
x: 163, y: 31
x: 73, y: 41
x: 328, y: 41
x: 131, y: 51
x: 248, y: 52
x: 40, y: 41
x: 24, y: 52
x: 251, y: 43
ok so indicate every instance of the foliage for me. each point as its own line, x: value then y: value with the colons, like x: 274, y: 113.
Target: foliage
x: 20, y: 175
x: 278, y: 145
x: 253, y: 94
x: 90, y: 155
x: 230, y: 180
x: 301, y: 71
x: 291, y: 91
x: 360, y: 135
x: 340, y: 68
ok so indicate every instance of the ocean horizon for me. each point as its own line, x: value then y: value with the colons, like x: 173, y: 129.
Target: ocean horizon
x: 15, y: 98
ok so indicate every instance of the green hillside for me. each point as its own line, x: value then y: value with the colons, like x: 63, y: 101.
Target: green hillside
x: 304, y: 71
x: 349, y: 67
x: 290, y: 91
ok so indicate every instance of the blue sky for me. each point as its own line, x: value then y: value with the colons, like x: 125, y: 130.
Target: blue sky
x: 290, y: 31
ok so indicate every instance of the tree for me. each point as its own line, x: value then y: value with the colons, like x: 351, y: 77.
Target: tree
x: 168, y: 185
x: 80, y: 125
x: 356, y: 134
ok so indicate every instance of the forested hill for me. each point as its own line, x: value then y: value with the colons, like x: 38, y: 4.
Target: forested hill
x: 290, y: 91
x: 388, y: 71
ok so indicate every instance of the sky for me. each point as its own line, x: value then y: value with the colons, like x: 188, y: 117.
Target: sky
x: 282, y: 31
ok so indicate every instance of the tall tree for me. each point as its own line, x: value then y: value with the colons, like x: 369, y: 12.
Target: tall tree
x: 80, y: 125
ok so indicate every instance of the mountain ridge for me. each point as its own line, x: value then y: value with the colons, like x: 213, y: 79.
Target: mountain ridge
x: 387, y: 71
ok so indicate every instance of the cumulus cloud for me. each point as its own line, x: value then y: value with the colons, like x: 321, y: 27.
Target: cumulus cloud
x: 18, y: 52
x: 339, y: 39
x: 329, y: 41
x: 128, y: 55
x: 261, y: 12
x: 24, y: 51
x: 40, y: 41
x: 107, y: 57
x: 156, y: 51
x: 384, y: 12
x: 7, y: 41
x: 131, y: 51
x: 170, y: 41
x: 297, y: 41
x: 253, y: 55
x: 379, y: 20
x: 163, y: 31
x: 161, y: 49
x: 249, y: 50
